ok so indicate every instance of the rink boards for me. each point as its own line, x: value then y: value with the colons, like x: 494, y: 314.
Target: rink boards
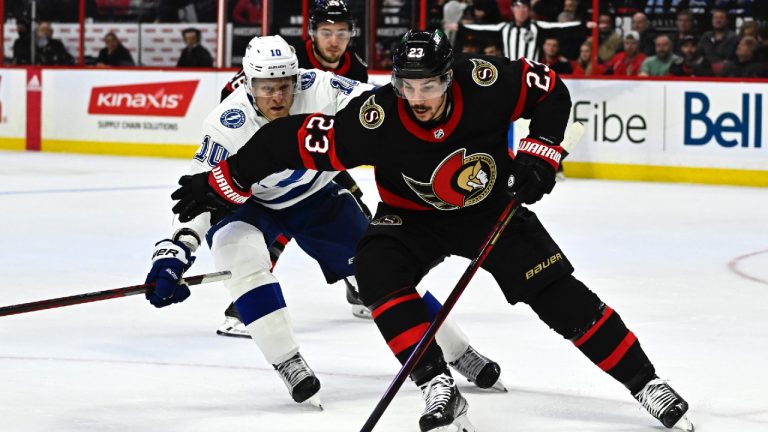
x: 702, y: 132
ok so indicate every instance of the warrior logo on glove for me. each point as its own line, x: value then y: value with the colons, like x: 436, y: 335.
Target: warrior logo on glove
x: 459, y: 181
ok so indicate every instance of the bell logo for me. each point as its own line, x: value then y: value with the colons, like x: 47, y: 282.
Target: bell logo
x: 169, y: 99
x: 733, y: 125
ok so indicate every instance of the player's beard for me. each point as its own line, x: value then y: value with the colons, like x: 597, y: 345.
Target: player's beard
x: 325, y: 58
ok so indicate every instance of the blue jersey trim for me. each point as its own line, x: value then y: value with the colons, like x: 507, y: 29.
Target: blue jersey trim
x: 291, y: 194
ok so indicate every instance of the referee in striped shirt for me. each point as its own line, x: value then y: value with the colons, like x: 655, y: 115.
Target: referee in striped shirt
x: 522, y: 38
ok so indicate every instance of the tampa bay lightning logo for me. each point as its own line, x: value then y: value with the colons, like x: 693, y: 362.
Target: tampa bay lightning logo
x: 344, y: 84
x: 307, y: 79
x: 233, y: 118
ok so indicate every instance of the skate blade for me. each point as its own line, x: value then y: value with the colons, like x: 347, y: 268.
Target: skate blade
x: 315, y: 402
x: 684, y: 424
x: 461, y: 424
x: 230, y: 333
x: 361, y: 311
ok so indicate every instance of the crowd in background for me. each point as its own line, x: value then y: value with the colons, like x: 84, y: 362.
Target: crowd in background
x: 693, y: 38
x: 44, y: 49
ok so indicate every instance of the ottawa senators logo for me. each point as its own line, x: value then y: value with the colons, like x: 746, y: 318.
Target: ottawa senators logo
x: 459, y: 181
x: 371, y: 114
x: 484, y: 73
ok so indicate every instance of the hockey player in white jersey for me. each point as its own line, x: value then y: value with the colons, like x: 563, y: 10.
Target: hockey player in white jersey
x: 324, y: 219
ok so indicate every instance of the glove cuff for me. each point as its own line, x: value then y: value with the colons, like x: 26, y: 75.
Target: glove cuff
x: 168, y: 248
x: 550, y: 154
x: 220, y: 179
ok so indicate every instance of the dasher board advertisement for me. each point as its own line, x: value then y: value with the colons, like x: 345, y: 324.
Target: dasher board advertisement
x: 119, y: 112
x: 13, y: 108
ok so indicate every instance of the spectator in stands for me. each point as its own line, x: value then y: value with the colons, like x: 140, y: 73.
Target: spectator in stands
x: 22, y: 45
x: 453, y: 11
x: 745, y: 65
x: 493, y: 50
x: 658, y: 65
x: 553, y: 59
x: 247, y: 12
x: 486, y: 12
x: 684, y: 25
x: 114, y: 53
x: 609, y: 40
x: 524, y: 36
x: 572, y: 7
x: 583, y: 65
x: 50, y: 51
x: 642, y: 26
x: 692, y: 63
x: 749, y: 28
x: 627, y: 63
x: 762, y: 51
x: 718, y: 44
x: 194, y: 54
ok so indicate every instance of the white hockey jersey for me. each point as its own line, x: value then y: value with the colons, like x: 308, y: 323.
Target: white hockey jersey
x: 231, y: 124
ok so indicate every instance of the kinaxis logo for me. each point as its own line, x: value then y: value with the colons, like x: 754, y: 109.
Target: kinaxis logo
x: 169, y: 99
x: 744, y: 129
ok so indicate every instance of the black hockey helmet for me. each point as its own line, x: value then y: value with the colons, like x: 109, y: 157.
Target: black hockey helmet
x: 422, y: 55
x: 331, y: 11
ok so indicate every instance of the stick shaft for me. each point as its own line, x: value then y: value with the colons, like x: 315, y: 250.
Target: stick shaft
x: 103, y: 295
x: 572, y: 136
x: 442, y: 314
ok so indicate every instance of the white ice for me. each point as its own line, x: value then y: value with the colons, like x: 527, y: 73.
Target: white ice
x: 686, y: 266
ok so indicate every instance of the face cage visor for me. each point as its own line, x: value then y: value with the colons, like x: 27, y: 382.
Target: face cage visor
x: 422, y: 88
x: 272, y: 87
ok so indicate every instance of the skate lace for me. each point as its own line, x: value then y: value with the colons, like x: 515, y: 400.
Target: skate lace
x: 470, y: 364
x: 437, y: 393
x: 294, y: 370
x: 656, y: 397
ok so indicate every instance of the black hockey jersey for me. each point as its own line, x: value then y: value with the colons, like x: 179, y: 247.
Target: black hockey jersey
x: 459, y: 164
x: 350, y: 66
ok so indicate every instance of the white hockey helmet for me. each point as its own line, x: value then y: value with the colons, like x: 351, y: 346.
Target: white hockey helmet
x: 269, y: 57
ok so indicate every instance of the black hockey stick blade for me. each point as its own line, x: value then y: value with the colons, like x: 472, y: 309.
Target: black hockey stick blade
x: 105, y: 295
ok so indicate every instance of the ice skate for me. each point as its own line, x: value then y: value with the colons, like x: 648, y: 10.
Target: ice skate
x: 446, y: 409
x: 479, y: 369
x: 300, y: 380
x: 665, y: 404
x: 232, y: 326
x: 353, y: 298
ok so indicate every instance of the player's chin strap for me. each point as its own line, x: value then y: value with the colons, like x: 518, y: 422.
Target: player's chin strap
x: 573, y: 134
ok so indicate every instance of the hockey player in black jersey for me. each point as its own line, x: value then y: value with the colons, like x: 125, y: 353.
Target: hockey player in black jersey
x: 437, y: 139
x: 331, y: 30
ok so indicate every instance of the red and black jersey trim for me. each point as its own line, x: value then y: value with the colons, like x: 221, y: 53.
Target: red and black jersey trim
x: 394, y: 200
x: 327, y: 148
x: 432, y: 134
x: 344, y: 63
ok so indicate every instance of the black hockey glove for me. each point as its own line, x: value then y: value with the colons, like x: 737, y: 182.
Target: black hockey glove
x: 216, y: 192
x: 534, y: 170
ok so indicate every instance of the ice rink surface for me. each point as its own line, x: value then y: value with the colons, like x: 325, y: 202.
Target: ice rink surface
x: 686, y: 266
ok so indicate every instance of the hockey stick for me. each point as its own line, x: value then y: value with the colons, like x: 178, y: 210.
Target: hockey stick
x: 105, y: 295
x: 572, y: 136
